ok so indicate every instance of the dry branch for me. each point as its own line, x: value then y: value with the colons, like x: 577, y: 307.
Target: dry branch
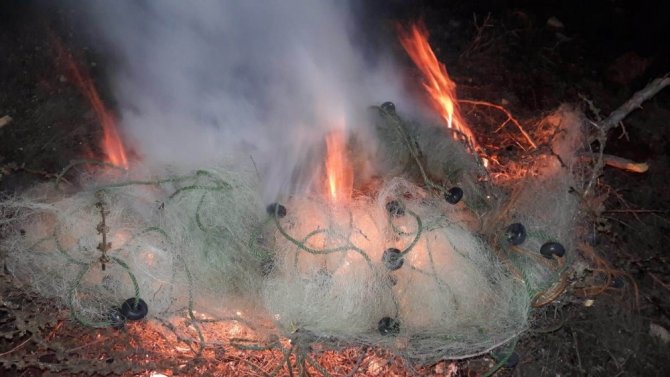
x: 510, y: 118
x: 634, y: 103
x: 616, y: 117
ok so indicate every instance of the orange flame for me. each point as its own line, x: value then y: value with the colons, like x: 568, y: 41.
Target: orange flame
x: 112, y: 145
x: 340, y: 176
x: 439, y: 86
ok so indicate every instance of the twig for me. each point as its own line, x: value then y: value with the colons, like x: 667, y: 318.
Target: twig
x: 318, y: 367
x: 479, y: 43
x: 634, y: 103
x: 54, y: 330
x: 252, y: 365
x: 599, y: 163
x: 101, y: 340
x: 579, y: 357
x: 592, y: 107
x: 635, y: 211
x: 659, y: 281
x: 614, y: 360
x: 287, y: 360
x: 624, y: 133
x: 358, y: 364
x: 12, y: 167
x: 510, y: 117
x: 17, y: 347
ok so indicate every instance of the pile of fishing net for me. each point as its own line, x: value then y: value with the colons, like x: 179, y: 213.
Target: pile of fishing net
x: 433, y: 259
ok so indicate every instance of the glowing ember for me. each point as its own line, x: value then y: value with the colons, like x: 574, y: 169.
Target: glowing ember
x: 441, y: 89
x: 340, y: 176
x: 112, y: 145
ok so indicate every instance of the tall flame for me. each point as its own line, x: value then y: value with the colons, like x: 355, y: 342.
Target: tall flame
x: 112, y: 145
x: 441, y: 89
x: 339, y: 174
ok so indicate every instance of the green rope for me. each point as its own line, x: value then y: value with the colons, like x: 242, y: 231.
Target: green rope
x: 312, y: 234
x: 156, y: 182
x: 136, y: 286
x: 84, y: 268
x: 301, y: 244
x: 219, y: 188
x: 219, y: 184
x: 419, y: 230
x: 242, y: 345
x: 310, y: 250
x: 396, y: 229
x: 157, y: 230
x: 197, y: 213
x: 253, y: 244
x: 152, y: 229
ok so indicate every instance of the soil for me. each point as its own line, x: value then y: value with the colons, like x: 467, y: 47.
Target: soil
x: 530, y: 56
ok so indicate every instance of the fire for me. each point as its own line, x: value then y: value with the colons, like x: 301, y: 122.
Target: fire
x: 339, y: 174
x: 112, y: 145
x: 441, y: 89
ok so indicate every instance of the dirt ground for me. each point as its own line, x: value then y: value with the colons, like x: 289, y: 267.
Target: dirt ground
x: 530, y: 56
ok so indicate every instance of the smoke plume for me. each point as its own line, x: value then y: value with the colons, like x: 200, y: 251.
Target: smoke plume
x: 199, y: 82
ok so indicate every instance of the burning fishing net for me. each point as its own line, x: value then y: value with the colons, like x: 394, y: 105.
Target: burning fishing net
x: 407, y: 239
x: 433, y: 259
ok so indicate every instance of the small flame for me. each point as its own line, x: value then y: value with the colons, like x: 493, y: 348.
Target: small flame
x: 439, y: 86
x: 112, y: 145
x: 340, y: 176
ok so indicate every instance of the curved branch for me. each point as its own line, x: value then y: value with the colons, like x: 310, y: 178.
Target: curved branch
x: 634, y: 103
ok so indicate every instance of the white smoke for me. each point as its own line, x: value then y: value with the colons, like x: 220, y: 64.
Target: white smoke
x: 200, y: 81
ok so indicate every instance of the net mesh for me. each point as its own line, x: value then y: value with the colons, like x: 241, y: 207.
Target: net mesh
x: 398, y: 267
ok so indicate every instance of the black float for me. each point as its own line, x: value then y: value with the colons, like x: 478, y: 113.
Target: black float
x: 392, y: 259
x: 395, y: 209
x: 549, y: 249
x: 276, y: 209
x: 388, y: 326
x: 515, y: 234
x: 134, y: 309
x: 454, y: 195
x: 389, y: 107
